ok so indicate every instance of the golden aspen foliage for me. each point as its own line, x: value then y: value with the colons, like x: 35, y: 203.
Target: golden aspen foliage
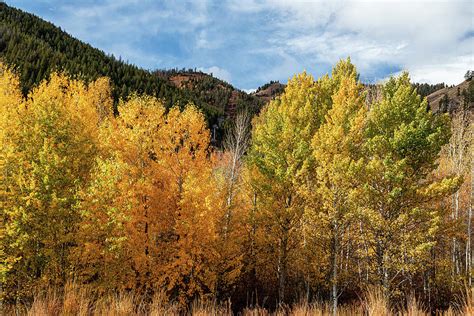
x: 280, y: 149
x: 157, y: 229
x: 329, y: 194
x: 115, y: 248
x: 337, y: 150
x: 281, y: 158
x: 47, y: 158
x: 185, y: 160
x: 10, y: 107
x: 328, y: 85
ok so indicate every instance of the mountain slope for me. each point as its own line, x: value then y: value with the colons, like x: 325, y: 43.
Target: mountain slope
x: 269, y: 91
x: 452, y: 99
x: 215, y: 92
x: 36, y: 48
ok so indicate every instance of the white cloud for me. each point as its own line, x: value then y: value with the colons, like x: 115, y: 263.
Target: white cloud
x: 452, y: 71
x: 424, y: 36
x: 217, y: 72
x: 246, y: 6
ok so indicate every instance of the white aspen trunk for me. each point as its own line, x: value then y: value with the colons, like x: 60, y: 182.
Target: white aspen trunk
x: 468, y: 246
x: 282, y: 266
x: 235, y: 144
x: 306, y: 273
x: 454, y: 242
x: 366, y: 250
x: 456, y: 217
x: 469, y: 228
x: 334, y: 290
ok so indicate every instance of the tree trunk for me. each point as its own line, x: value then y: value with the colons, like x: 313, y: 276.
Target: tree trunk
x: 382, y: 266
x: 253, y: 252
x: 335, y: 249
x: 366, y: 250
x: 469, y: 229
x: 455, y: 217
x: 282, y: 268
x: 468, y: 246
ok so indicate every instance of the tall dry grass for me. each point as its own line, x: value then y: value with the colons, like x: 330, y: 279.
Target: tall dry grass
x: 466, y: 304
x: 210, y: 308
x: 161, y: 307
x: 375, y: 302
x: 76, y: 300
x: 414, y: 308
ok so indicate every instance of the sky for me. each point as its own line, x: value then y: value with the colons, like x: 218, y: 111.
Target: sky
x: 248, y: 42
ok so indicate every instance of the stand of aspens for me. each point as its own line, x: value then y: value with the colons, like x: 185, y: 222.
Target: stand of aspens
x: 320, y: 197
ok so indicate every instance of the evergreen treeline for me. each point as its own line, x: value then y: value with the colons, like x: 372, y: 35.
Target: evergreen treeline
x: 425, y: 89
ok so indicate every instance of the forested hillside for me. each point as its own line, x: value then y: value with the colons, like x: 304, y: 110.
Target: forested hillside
x: 36, y: 48
x: 269, y: 90
x: 220, y: 94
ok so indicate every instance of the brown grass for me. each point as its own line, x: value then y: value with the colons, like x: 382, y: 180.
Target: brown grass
x: 467, y: 302
x: 161, y: 307
x: 210, y: 308
x: 76, y: 300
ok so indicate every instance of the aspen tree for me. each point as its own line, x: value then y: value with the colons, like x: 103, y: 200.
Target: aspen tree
x: 337, y: 149
x: 280, y: 148
x: 45, y: 161
x: 403, y: 142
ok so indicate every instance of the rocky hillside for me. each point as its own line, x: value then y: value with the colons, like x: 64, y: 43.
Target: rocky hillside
x: 454, y: 98
x: 269, y: 91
